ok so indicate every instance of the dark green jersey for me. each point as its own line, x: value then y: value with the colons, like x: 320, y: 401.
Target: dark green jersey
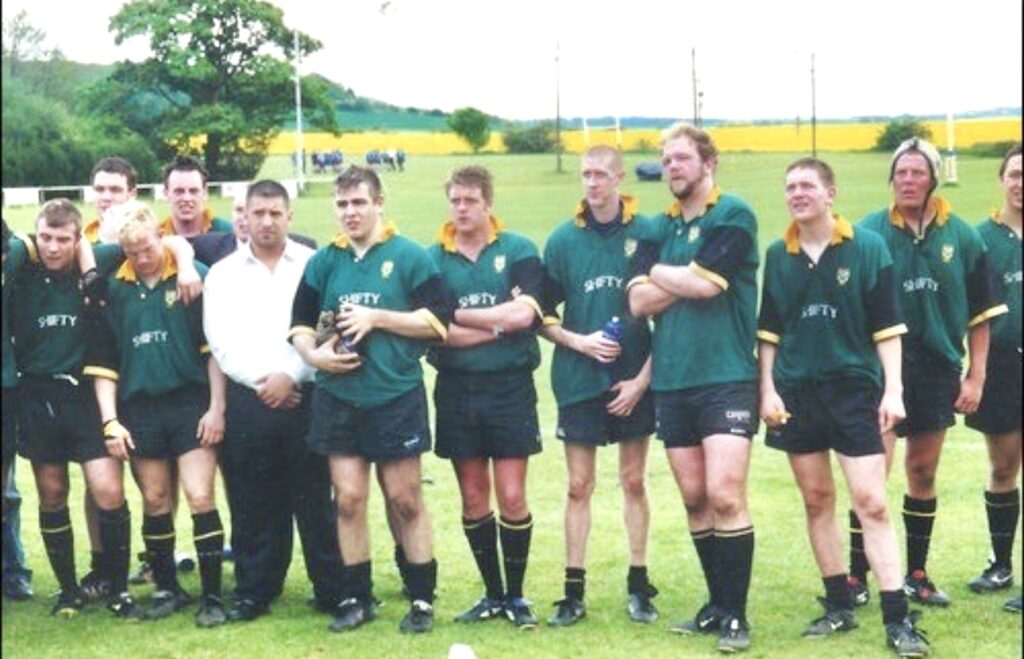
x: 147, y: 339
x: 395, y: 274
x: 1004, y: 262
x: 508, y: 267
x: 703, y: 342
x: 22, y: 251
x: 943, y: 278
x: 587, y: 267
x: 49, y: 325
x: 209, y: 223
x: 825, y: 317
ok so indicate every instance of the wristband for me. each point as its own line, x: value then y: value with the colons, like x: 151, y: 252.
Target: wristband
x: 113, y: 429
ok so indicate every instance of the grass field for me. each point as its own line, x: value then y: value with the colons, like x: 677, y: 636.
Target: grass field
x: 532, y: 198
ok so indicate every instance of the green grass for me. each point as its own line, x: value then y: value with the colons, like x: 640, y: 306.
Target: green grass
x: 532, y: 199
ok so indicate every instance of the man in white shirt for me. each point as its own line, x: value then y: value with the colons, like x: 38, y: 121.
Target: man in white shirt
x: 271, y: 474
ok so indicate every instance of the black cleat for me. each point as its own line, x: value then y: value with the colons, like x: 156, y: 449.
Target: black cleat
x: 17, y: 588
x: 94, y: 586
x: 123, y: 607
x: 858, y: 591
x: 905, y: 638
x: 835, y: 620
x: 246, y: 610
x: 707, y: 621
x: 419, y: 619
x: 1013, y: 605
x: 485, y: 609
x: 994, y: 577
x: 640, y: 607
x: 734, y: 635
x: 570, y: 611
x: 920, y: 589
x: 352, y: 613
x: 165, y: 603
x: 211, y: 612
x: 69, y: 603
x: 519, y: 613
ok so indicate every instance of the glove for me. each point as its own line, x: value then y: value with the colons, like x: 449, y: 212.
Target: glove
x: 94, y: 287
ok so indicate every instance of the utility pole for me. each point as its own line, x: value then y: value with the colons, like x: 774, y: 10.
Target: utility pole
x: 300, y: 152
x: 558, y: 112
x: 696, y: 102
x: 814, y: 114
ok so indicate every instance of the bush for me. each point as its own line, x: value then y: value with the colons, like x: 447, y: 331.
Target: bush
x: 898, y: 130
x: 538, y: 138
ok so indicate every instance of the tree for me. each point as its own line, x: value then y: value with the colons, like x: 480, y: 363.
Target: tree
x: 537, y: 138
x: 22, y: 41
x: 898, y: 130
x: 218, y: 83
x: 471, y: 125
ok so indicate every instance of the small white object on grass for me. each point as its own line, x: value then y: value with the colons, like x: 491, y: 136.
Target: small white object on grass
x: 461, y: 651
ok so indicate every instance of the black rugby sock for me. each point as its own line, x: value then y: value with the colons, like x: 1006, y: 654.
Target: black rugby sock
x: 515, y: 550
x: 116, y: 536
x: 858, y: 558
x: 1003, y: 510
x: 575, y: 582
x: 894, y: 606
x: 208, y: 534
x: 735, y: 551
x: 59, y: 540
x: 837, y: 592
x: 918, y: 519
x: 158, y: 534
x: 704, y: 541
x: 482, y: 535
x: 423, y: 581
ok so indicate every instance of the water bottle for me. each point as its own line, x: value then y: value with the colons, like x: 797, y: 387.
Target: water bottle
x: 612, y: 331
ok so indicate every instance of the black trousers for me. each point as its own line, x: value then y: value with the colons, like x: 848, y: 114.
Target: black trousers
x: 271, y: 478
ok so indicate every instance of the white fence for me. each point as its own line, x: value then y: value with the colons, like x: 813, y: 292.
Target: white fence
x: 34, y: 196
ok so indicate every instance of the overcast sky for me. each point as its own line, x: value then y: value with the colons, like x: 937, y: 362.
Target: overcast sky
x: 882, y: 57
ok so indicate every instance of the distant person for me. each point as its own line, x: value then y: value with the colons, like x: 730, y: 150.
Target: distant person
x: 999, y: 413
x: 185, y: 188
x: 369, y: 404
x: 829, y: 351
x: 400, y: 159
x: 941, y: 267
x: 114, y: 182
x: 484, y: 397
x: 601, y: 383
x: 702, y: 288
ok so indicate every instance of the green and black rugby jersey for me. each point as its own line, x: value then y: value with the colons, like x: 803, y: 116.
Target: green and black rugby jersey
x: 49, y: 323
x: 1004, y: 262
x: 704, y: 342
x: 147, y: 339
x: 22, y: 251
x: 209, y: 223
x: 943, y: 278
x: 507, y: 268
x: 395, y: 274
x: 587, y: 266
x: 826, y: 317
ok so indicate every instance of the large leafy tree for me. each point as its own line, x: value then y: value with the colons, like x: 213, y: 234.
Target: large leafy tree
x: 471, y: 125
x: 219, y: 81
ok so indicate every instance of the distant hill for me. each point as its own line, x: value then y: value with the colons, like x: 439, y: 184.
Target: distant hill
x: 357, y: 113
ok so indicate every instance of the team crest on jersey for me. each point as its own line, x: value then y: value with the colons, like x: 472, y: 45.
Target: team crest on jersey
x: 499, y: 263
x: 842, y: 276
x: 947, y: 253
x: 629, y: 247
x: 387, y: 268
x: 693, y: 235
x: 170, y: 297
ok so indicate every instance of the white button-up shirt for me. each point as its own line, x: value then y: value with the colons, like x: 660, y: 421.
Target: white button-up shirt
x: 247, y: 312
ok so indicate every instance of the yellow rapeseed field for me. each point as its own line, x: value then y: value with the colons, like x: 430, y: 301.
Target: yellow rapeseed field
x: 782, y: 137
